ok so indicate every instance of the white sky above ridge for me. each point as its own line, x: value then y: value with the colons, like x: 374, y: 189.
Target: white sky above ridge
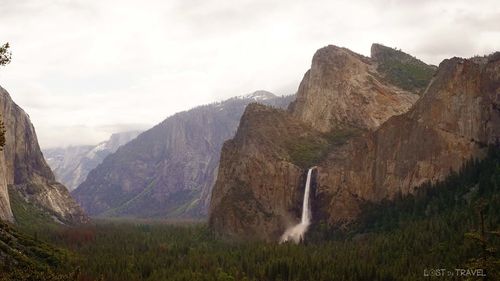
x: 84, y: 69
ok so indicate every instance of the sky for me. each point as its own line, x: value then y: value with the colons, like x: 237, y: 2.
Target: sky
x: 83, y: 69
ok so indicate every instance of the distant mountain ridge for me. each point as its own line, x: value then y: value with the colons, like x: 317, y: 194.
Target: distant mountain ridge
x: 72, y: 164
x: 169, y: 170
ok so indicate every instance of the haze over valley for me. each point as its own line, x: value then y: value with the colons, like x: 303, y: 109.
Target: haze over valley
x: 208, y: 140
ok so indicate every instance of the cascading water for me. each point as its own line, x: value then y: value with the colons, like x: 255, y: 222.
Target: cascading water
x: 296, y: 233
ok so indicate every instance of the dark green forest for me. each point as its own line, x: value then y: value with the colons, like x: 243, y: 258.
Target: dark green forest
x: 450, y: 225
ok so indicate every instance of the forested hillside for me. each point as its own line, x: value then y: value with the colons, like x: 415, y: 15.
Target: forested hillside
x: 25, y: 257
x: 450, y: 225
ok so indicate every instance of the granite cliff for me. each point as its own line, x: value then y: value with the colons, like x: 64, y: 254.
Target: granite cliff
x: 344, y: 90
x: 370, y: 135
x: 23, y: 169
x: 457, y: 117
x: 169, y: 170
x: 258, y: 188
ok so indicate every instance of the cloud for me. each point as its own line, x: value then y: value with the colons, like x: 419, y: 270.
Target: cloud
x: 97, y: 62
x: 81, y: 134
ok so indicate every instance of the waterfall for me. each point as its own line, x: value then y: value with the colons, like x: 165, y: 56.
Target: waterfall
x: 296, y: 233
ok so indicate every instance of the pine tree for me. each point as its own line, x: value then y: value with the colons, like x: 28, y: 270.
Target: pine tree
x: 488, y: 259
x: 5, y: 54
x: 5, y: 57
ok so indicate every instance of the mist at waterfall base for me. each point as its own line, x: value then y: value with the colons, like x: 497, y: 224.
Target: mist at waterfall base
x: 296, y: 233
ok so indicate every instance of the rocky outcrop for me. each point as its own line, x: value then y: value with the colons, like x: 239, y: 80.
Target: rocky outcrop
x: 263, y: 168
x: 169, y: 170
x: 258, y: 190
x: 457, y: 117
x: 5, y: 209
x: 72, y: 164
x: 343, y: 89
x: 23, y: 168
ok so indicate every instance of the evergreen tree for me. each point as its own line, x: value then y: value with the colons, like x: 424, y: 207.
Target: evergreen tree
x: 5, y: 54
x: 5, y: 57
x: 488, y: 258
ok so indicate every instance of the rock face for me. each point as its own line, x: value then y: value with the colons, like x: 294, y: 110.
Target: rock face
x: 344, y: 96
x: 24, y: 170
x: 343, y: 89
x: 457, y: 117
x: 72, y: 164
x: 169, y: 170
x: 258, y: 188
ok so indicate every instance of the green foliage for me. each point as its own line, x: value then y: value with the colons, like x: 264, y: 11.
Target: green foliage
x: 405, y: 71
x: 309, y: 151
x: 24, y: 257
x: 439, y: 227
x: 23, y: 252
x: 305, y: 152
x: 29, y: 218
x: 444, y: 217
x: 5, y: 54
x: 5, y: 57
x: 488, y: 259
x: 341, y: 136
x: 393, y: 241
x: 477, y: 181
x: 407, y: 76
x: 29, y: 274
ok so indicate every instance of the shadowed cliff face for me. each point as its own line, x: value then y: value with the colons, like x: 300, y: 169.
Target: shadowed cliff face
x: 258, y: 190
x: 169, y: 170
x: 261, y: 177
x: 23, y: 167
x: 457, y: 117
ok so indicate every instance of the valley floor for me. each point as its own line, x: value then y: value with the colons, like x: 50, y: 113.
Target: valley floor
x: 449, y: 226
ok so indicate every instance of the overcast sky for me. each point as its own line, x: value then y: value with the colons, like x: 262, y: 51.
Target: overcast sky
x: 84, y: 69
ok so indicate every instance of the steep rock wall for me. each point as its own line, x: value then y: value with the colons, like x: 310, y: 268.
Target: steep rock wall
x: 23, y: 167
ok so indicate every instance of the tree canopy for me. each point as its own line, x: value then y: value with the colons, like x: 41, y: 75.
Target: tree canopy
x: 5, y: 57
x: 5, y: 54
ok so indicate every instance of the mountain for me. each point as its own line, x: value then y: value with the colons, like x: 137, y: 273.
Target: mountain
x: 456, y: 119
x: 343, y: 105
x: 344, y: 90
x: 24, y: 171
x: 261, y: 172
x: 72, y: 164
x: 169, y: 170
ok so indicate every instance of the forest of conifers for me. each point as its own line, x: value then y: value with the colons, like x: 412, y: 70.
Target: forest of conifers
x: 449, y: 225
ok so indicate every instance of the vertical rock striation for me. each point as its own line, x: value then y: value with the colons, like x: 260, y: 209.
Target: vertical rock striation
x: 258, y: 192
x: 455, y: 120
x: 343, y: 89
x: 23, y: 168
x: 169, y: 170
x: 262, y: 171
